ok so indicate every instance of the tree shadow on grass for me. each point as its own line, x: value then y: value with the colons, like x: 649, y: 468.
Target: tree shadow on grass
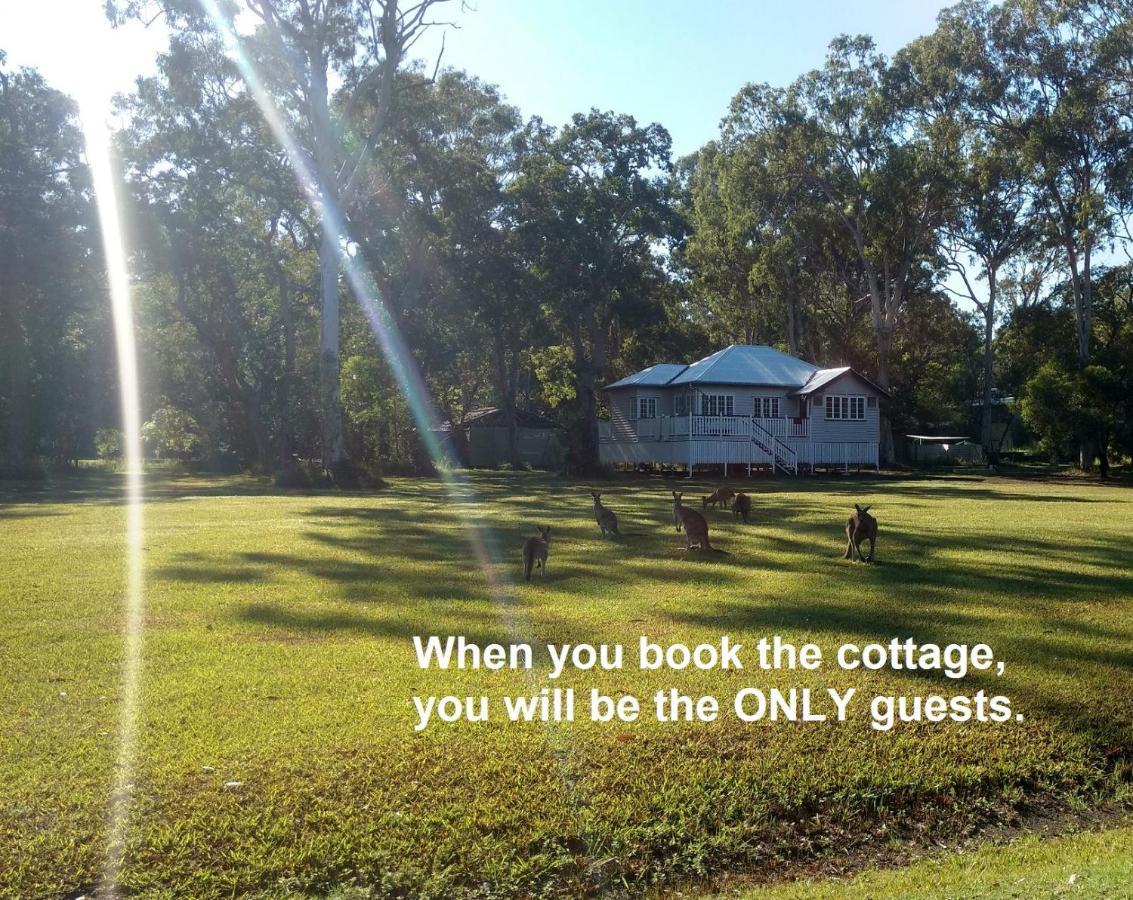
x: 477, y: 627
x: 913, y: 596
x: 8, y: 513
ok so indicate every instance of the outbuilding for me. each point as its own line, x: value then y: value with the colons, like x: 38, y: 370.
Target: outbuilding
x: 480, y: 439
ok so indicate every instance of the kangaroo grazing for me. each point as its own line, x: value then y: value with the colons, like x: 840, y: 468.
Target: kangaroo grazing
x: 861, y: 526
x: 694, y: 524
x: 720, y: 495
x: 535, y: 552
x: 607, y: 521
x: 741, y: 506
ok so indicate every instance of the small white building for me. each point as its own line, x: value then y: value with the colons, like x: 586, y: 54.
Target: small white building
x: 747, y: 406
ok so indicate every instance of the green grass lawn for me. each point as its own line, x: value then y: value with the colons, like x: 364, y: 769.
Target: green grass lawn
x: 277, y: 653
x: 1088, y: 866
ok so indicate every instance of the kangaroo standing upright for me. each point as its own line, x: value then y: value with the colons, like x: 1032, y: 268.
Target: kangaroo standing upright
x: 607, y: 521
x: 861, y: 526
x: 535, y: 552
x: 694, y: 524
x: 741, y: 506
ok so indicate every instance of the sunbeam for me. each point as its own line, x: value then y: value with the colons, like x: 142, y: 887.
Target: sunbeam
x: 402, y: 364
x: 396, y: 353
x: 94, y: 109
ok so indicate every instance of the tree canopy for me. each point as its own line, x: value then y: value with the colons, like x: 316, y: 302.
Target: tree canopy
x: 952, y: 221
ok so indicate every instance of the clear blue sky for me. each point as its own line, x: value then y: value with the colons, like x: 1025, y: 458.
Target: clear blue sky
x: 677, y: 62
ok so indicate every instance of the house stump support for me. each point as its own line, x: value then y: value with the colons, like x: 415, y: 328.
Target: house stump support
x: 691, y: 397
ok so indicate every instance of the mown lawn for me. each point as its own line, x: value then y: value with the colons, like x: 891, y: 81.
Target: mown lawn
x: 1087, y: 866
x: 277, y: 653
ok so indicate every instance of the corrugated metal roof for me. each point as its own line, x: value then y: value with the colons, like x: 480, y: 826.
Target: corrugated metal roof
x: 660, y: 374
x: 493, y: 416
x: 747, y: 364
x: 820, y: 378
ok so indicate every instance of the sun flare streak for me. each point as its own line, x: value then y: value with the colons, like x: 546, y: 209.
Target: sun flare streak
x: 97, y: 139
x: 398, y: 357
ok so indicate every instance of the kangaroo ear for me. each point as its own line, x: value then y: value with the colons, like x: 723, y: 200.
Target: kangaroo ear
x: 865, y: 509
x: 858, y: 508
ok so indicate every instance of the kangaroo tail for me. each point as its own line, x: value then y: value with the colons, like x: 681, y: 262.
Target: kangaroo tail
x: 527, y: 563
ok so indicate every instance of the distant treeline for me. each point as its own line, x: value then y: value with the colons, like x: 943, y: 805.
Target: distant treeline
x: 954, y: 222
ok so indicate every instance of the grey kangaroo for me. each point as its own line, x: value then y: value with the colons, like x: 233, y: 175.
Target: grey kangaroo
x: 741, y: 506
x: 720, y: 495
x: 607, y: 521
x: 535, y: 552
x: 861, y: 526
x: 693, y: 523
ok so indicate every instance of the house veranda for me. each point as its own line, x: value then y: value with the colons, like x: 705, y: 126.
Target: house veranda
x: 748, y: 406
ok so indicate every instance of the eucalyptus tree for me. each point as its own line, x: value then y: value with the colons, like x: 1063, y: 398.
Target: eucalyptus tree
x: 951, y: 84
x: 750, y: 241
x: 1067, y: 63
x: 719, y: 255
x: 594, y: 209
x: 1044, y: 84
x: 441, y: 238
x: 53, y: 365
x: 318, y: 60
x: 988, y: 227
x: 843, y: 134
x: 224, y: 230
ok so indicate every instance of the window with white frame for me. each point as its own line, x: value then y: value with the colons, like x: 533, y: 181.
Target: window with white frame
x: 766, y: 408
x: 845, y: 406
x: 647, y: 407
x: 717, y: 404
x: 680, y: 405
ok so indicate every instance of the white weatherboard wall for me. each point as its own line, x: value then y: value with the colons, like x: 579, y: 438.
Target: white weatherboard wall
x: 622, y: 414
x: 851, y: 430
x: 744, y: 403
x: 827, y: 442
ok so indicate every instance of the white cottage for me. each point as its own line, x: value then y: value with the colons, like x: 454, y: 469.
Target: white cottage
x: 743, y: 405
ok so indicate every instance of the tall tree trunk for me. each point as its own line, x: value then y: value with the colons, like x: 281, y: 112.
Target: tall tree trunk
x: 1080, y: 289
x: 1085, y: 320
x: 793, y: 340
x: 586, y: 442
x: 18, y: 449
x: 588, y: 362
x: 883, y: 338
x: 285, y: 439
x: 988, y: 373
x: 887, y: 448
x: 335, y: 458
x: 505, y: 388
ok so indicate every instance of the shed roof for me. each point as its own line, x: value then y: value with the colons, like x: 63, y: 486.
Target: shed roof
x: 492, y: 416
x: 938, y: 438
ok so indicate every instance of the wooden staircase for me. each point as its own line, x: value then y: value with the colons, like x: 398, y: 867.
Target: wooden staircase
x: 782, y: 455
